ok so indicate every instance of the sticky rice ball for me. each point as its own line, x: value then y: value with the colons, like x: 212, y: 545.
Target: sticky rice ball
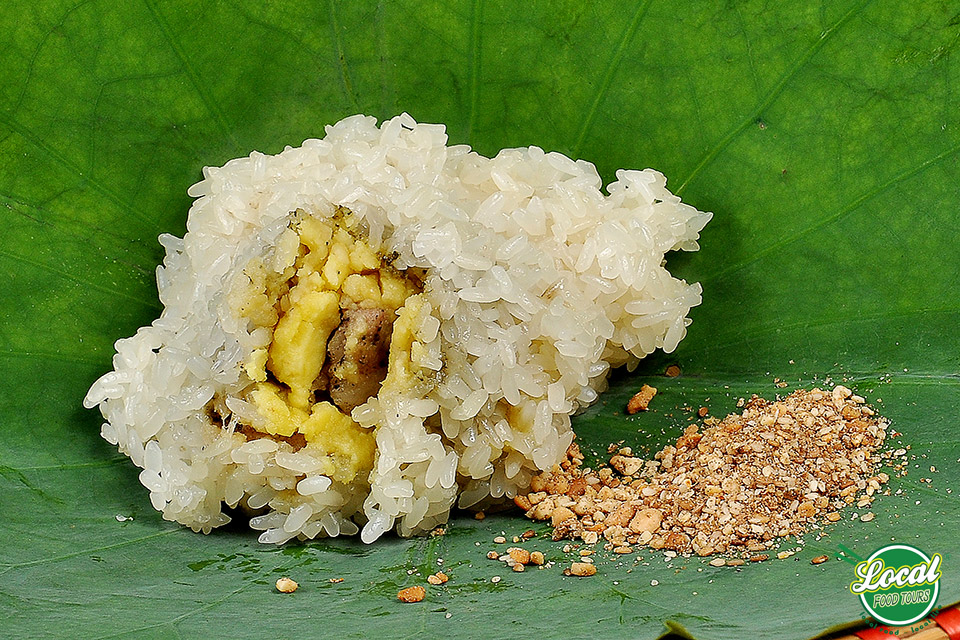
x: 364, y: 331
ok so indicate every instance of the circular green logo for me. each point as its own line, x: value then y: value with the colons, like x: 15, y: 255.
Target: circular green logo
x: 898, y: 584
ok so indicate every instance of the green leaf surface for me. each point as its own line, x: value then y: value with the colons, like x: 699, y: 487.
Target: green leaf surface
x: 825, y: 139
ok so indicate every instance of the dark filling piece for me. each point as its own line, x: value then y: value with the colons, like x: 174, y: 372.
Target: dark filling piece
x: 357, y: 356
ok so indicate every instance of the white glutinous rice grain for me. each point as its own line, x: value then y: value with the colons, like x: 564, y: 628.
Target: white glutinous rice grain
x: 525, y: 285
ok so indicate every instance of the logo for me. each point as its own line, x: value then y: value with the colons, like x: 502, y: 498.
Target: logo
x: 899, y: 584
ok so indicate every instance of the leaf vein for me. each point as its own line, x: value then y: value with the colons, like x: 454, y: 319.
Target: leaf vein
x: 773, y: 94
x: 28, y: 76
x: 67, y: 276
x: 62, y: 357
x: 806, y: 324
x: 212, y: 107
x: 615, y: 59
x: 108, y: 547
x: 173, y: 622
x: 476, y: 47
x: 70, y: 467
x: 17, y: 205
x: 341, y: 58
x: 836, y: 215
x: 32, y: 138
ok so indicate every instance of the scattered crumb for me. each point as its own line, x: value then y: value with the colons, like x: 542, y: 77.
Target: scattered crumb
x: 654, y: 583
x: 518, y: 568
x: 479, y: 515
x: 867, y: 517
x: 718, y: 562
x: 286, y: 585
x: 702, y: 412
x: 499, y: 539
x: 581, y: 569
x: 438, y: 578
x: 536, y: 557
x: 519, y: 555
x: 641, y: 400
x: 439, y: 531
x: 761, y: 557
x: 415, y: 593
x: 672, y: 371
x: 783, y: 555
x: 493, y: 555
x: 819, y: 560
x: 495, y: 579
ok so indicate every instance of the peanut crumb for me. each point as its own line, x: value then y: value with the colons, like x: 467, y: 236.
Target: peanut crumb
x: 519, y: 555
x: 438, y: 578
x: 536, y: 557
x: 415, y: 593
x: 641, y: 400
x: 286, y: 585
x: 581, y: 569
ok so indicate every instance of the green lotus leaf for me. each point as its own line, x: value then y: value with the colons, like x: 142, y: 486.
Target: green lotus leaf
x: 824, y: 137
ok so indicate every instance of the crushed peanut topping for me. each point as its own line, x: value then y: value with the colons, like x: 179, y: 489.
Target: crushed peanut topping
x: 581, y: 569
x: 438, y: 578
x: 641, y: 400
x: 286, y: 585
x: 415, y: 593
x: 737, y: 486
